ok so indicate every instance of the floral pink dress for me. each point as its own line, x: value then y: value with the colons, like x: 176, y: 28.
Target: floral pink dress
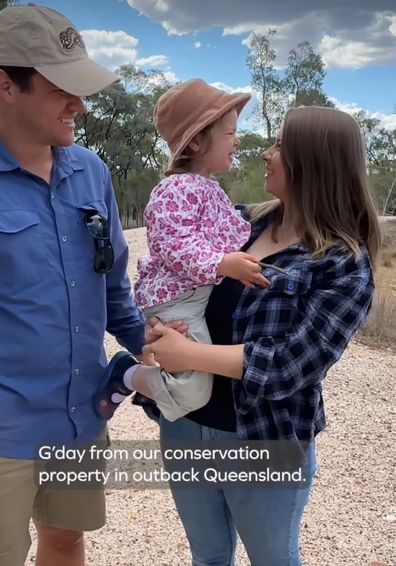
x: 191, y: 224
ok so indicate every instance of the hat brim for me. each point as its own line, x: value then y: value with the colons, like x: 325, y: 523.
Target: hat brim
x: 80, y: 78
x: 236, y: 100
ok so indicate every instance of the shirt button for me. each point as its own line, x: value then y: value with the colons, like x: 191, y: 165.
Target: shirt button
x: 76, y: 371
x: 290, y: 286
x: 52, y: 195
x: 76, y: 328
x: 73, y: 409
x: 72, y: 283
x: 64, y: 238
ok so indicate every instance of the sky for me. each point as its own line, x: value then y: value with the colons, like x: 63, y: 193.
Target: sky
x: 208, y: 39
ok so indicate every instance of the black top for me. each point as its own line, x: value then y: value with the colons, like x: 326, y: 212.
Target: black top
x: 219, y: 412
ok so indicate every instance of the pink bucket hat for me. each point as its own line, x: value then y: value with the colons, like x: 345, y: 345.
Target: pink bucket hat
x: 187, y: 108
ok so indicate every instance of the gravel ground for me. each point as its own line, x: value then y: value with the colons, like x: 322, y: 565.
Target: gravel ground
x: 351, y: 519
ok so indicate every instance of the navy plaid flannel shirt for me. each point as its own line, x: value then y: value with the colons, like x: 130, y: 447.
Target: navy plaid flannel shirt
x: 292, y: 333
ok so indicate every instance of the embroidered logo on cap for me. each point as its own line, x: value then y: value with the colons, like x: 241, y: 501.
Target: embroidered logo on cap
x: 70, y: 39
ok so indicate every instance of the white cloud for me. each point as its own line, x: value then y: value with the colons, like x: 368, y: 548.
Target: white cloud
x: 392, y: 27
x: 250, y: 121
x: 354, y: 54
x: 230, y: 89
x: 362, y: 32
x: 153, y: 61
x: 110, y: 48
x: 197, y: 44
x: 115, y: 48
x: 171, y: 77
x: 387, y: 121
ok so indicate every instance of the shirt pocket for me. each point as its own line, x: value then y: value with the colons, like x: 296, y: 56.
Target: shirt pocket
x: 81, y: 239
x: 291, y: 283
x: 285, y: 300
x: 91, y: 205
x: 98, y: 205
x: 22, y: 252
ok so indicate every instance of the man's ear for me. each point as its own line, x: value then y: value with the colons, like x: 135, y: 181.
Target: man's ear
x: 8, y: 89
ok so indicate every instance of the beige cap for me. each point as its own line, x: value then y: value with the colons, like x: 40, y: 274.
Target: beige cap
x: 187, y: 108
x: 38, y: 37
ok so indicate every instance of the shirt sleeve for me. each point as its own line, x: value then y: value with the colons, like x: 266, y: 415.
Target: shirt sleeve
x: 124, y: 320
x: 177, y: 234
x: 275, y: 369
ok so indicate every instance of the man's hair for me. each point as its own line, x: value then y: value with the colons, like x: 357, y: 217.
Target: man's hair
x: 21, y: 76
x: 323, y: 153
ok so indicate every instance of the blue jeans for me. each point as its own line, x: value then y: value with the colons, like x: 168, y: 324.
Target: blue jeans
x: 266, y: 518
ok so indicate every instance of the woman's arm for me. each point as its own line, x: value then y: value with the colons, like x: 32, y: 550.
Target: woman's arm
x: 176, y: 353
x: 275, y: 369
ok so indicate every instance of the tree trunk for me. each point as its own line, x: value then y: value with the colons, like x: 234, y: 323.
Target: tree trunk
x: 388, y: 196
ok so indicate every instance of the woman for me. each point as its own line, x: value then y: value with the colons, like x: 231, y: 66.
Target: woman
x: 272, y: 347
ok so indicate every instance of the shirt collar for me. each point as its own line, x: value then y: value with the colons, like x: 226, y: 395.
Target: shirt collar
x: 7, y: 160
x: 64, y: 158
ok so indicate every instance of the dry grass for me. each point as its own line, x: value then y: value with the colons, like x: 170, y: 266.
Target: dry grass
x: 388, y: 258
x: 380, y: 328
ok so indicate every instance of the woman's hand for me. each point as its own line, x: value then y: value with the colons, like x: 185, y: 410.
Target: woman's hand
x: 169, y: 346
x: 176, y: 353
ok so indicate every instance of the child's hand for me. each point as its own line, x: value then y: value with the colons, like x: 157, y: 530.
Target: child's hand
x: 147, y: 359
x: 243, y: 267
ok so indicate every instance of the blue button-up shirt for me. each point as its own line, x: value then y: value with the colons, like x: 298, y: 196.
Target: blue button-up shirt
x: 54, y: 308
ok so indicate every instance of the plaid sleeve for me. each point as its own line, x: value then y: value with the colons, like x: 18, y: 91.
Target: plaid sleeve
x: 276, y: 369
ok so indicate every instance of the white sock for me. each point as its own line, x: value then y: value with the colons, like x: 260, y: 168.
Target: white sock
x: 128, y: 376
x: 118, y: 398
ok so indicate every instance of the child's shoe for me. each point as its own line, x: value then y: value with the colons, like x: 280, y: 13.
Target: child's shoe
x: 116, y: 390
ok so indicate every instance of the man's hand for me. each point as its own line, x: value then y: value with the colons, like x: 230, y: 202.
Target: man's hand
x: 244, y: 267
x: 170, y: 349
x: 150, y: 335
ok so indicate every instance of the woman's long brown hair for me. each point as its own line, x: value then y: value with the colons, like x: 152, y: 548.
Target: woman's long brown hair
x: 323, y: 153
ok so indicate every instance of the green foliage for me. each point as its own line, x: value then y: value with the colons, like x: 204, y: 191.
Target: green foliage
x: 381, y: 153
x: 245, y: 181
x: 251, y: 147
x: 249, y: 184
x: 5, y: 3
x: 304, y: 77
x: 133, y: 193
x: 118, y: 126
x: 266, y: 82
x: 299, y: 85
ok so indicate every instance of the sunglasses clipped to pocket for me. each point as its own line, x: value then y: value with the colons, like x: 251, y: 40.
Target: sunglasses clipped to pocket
x: 98, y: 229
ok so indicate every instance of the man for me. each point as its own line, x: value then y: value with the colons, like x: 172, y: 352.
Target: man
x: 63, y: 280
